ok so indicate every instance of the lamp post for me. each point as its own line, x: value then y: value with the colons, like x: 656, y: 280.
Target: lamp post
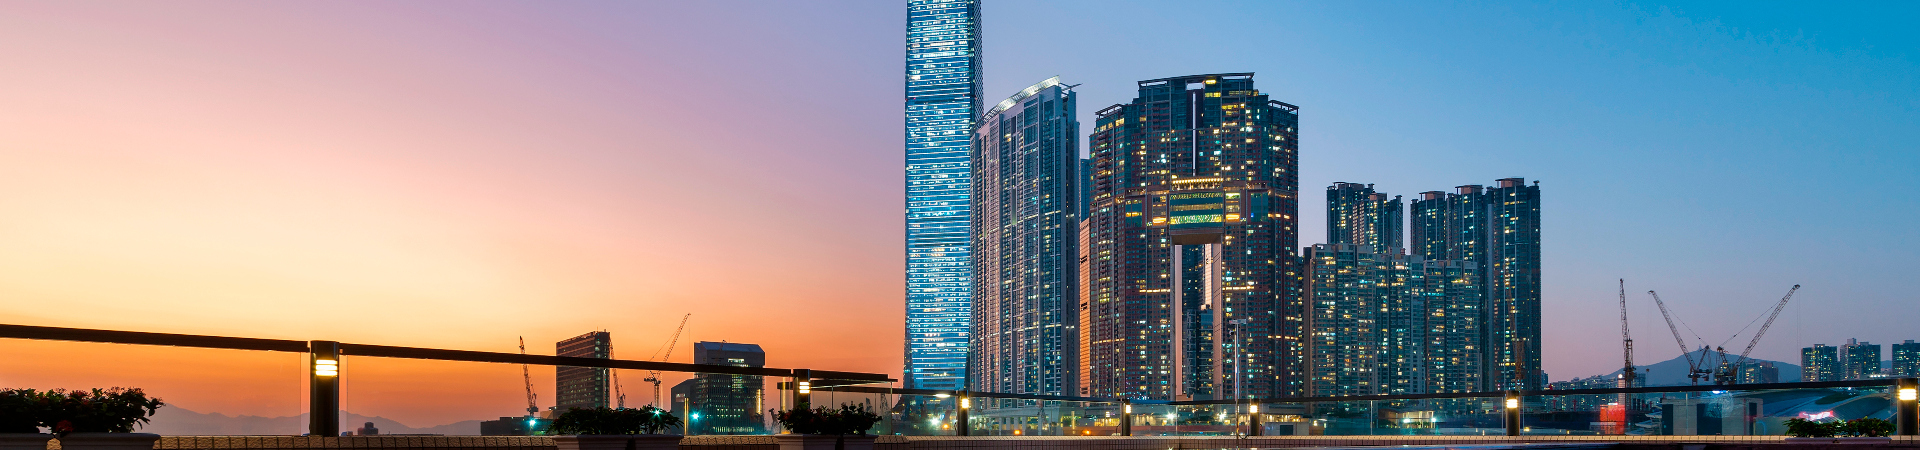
x: 1126, y: 417
x: 966, y: 403
x: 1907, y: 406
x: 1253, y: 419
x: 802, y: 389
x: 323, y: 401
x: 1512, y: 405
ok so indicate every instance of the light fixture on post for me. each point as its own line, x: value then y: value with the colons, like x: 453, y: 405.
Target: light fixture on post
x: 802, y: 389
x: 1253, y: 419
x: 1906, y: 411
x: 1126, y: 417
x: 961, y: 426
x: 323, y: 399
x: 1513, y: 413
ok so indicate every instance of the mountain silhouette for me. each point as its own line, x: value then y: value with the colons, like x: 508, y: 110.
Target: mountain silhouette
x: 1673, y: 372
x: 176, y: 421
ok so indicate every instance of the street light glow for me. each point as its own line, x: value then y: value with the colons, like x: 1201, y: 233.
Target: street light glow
x: 326, y: 367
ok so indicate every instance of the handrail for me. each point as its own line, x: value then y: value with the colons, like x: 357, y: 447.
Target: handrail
x: 387, y: 351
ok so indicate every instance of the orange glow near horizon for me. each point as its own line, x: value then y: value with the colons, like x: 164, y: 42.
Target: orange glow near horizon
x: 399, y: 177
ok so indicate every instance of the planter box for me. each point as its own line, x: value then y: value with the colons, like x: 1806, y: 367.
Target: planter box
x: 821, y: 442
x: 615, y: 442
x: 109, y: 441
x: 24, y: 441
x: 1840, y: 440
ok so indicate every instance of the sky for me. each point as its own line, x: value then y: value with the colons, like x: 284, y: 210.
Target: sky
x: 461, y: 175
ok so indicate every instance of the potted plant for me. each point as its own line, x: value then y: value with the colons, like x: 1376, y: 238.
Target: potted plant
x: 100, y: 419
x: 20, y: 420
x: 810, y: 428
x: 1865, y: 430
x: 615, y: 429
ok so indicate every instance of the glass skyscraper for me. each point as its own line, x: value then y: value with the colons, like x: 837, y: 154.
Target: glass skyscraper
x: 1026, y: 187
x: 1358, y: 215
x: 943, y: 84
x: 1193, y: 280
x: 1498, y: 229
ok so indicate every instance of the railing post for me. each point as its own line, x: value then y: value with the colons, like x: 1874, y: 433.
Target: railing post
x: 323, y: 403
x: 1126, y: 417
x: 1907, y: 406
x: 1512, y: 406
x: 1253, y: 419
x: 960, y: 428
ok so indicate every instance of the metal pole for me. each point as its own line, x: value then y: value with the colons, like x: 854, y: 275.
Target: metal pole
x: 323, y: 402
x: 1126, y: 418
x: 1512, y: 405
x: 1907, y: 406
x: 960, y: 428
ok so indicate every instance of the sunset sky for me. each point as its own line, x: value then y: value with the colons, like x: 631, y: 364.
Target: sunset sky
x: 460, y: 174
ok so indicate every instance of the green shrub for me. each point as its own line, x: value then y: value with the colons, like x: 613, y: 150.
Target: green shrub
x: 645, y: 420
x: 1866, y: 427
x: 847, y: 419
x: 1798, y: 427
x: 20, y: 411
x: 116, y: 410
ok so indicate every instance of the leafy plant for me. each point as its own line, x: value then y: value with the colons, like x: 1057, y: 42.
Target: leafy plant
x: 603, y: 420
x: 1866, y: 427
x: 20, y: 411
x: 1798, y: 427
x: 847, y: 419
x: 116, y: 410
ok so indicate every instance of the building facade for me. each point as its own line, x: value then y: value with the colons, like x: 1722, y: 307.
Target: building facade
x: 714, y: 403
x: 1820, y: 363
x: 1388, y: 323
x: 1859, y: 360
x: 1358, y: 215
x: 582, y: 387
x: 1497, y: 228
x: 1026, y: 187
x: 1906, y: 359
x: 943, y: 84
x: 1193, y: 284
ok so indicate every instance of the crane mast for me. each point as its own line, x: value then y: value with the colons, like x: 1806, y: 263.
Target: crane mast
x: 1626, y: 340
x: 532, y: 399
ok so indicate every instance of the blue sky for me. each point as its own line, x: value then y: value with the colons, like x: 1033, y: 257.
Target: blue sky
x: 1718, y: 152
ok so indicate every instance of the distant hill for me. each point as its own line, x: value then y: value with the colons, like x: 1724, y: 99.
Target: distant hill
x: 172, y: 420
x: 1673, y: 372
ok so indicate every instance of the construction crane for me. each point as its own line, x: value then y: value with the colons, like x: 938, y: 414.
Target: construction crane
x: 1729, y: 373
x: 533, y: 400
x: 654, y: 375
x: 1626, y: 340
x: 1694, y: 372
x: 619, y: 396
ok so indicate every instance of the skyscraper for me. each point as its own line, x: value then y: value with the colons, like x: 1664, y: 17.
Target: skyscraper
x: 1194, y: 283
x: 1498, y: 228
x: 726, y: 404
x: 582, y: 387
x: 943, y: 83
x: 1387, y: 323
x: 1026, y: 187
x: 1859, y: 360
x: 1906, y: 359
x: 1358, y: 215
x: 1819, y: 363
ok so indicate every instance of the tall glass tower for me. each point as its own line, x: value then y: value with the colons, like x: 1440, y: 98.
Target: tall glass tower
x: 1026, y: 191
x: 943, y: 84
x: 1194, y: 286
